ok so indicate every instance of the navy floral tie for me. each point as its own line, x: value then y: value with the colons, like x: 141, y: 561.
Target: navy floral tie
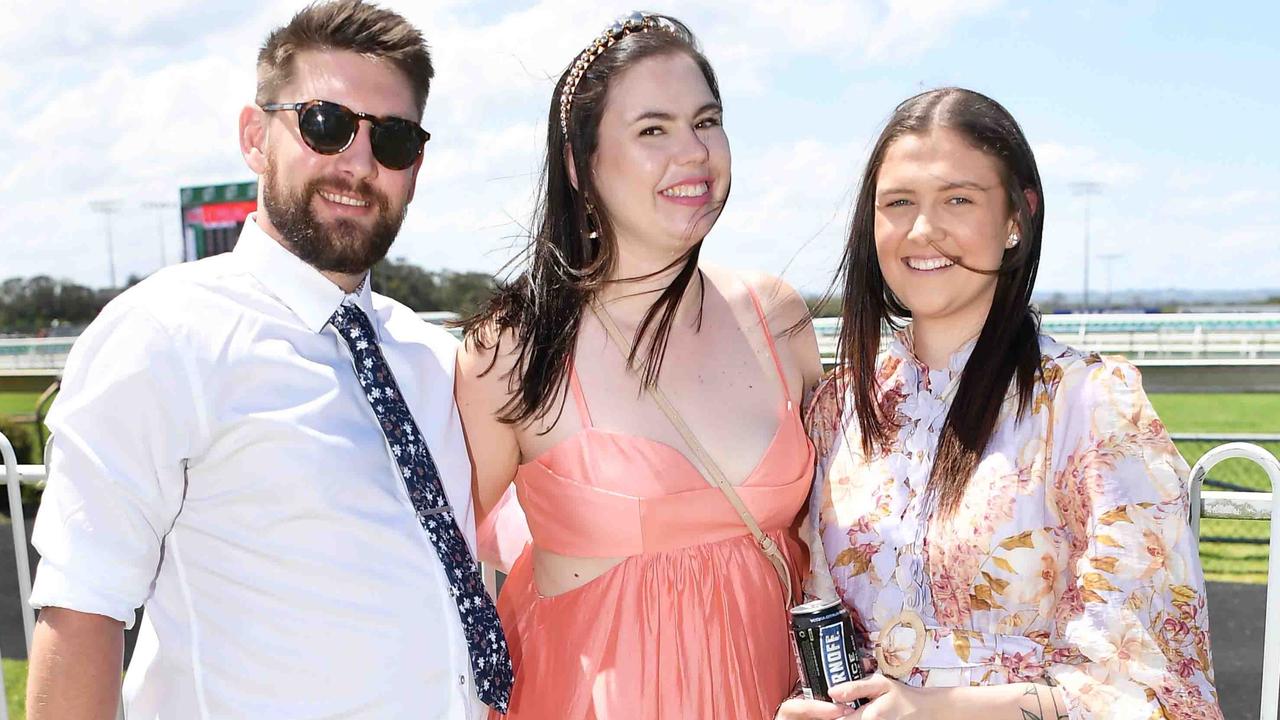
x: 490, y: 661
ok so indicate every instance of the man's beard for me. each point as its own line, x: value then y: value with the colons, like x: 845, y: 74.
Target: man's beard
x: 340, y: 246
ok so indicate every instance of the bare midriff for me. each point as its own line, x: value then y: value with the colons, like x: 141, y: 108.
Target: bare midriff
x: 555, y: 574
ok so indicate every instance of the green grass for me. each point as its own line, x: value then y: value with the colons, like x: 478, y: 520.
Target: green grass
x: 1227, y: 413
x: 18, y: 403
x: 1229, y: 562
x: 15, y: 688
x: 21, y: 405
x: 1224, y: 413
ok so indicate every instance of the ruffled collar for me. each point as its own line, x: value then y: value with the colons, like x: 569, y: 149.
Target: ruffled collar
x: 941, y: 381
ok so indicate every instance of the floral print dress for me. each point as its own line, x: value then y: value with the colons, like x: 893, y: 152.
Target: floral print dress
x: 1069, y: 562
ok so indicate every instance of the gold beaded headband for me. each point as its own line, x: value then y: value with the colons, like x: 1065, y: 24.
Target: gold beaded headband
x: 622, y: 27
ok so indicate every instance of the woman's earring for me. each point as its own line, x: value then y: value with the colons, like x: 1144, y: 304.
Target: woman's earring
x: 593, y: 222
x: 1012, y: 242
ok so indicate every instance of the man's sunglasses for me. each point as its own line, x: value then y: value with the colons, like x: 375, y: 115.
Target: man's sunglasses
x: 329, y: 128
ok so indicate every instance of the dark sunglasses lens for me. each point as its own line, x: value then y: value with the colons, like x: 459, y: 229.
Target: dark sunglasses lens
x: 396, y: 143
x: 327, y: 128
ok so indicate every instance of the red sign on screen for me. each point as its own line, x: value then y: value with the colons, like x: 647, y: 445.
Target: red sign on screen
x: 221, y: 214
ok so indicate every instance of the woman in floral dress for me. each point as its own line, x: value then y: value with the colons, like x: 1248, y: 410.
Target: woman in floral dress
x: 1005, y: 515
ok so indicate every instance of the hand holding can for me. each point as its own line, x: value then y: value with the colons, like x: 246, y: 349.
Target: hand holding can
x: 828, y: 647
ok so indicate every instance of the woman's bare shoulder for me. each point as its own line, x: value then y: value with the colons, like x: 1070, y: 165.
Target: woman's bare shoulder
x: 489, y: 356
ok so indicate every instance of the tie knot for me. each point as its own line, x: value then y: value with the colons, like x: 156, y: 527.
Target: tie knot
x: 351, y: 322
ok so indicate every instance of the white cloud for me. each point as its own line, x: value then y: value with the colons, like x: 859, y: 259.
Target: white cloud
x: 750, y: 44
x: 171, y: 123
x: 1185, y: 179
x: 48, y: 29
x: 789, y: 209
x: 118, y: 135
x: 1257, y: 203
x: 910, y: 27
x: 133, y: 100
x: 510, y: 62
x: 8, y: 79
x: 784, y: 180
x: 1254, y: 242
x: 1064, y: 163
x: 486, y: 153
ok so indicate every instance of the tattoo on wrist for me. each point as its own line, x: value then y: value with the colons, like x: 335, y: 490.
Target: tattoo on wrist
x: 1039, y: 713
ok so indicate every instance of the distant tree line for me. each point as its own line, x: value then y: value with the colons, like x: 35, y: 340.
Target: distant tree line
x: 424, y: 290
x: 34, y: 305
x: 37, y: 305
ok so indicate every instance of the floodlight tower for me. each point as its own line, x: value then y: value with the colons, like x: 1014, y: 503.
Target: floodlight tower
x: 1086, y: 188
x: 160, y: 207
x: 107, y: 208
x: 1108, y: 259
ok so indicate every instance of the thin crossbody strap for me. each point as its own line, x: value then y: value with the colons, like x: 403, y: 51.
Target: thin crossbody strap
x: 715, y: 476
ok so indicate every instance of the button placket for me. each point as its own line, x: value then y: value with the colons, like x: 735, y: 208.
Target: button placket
x: 487, y: 649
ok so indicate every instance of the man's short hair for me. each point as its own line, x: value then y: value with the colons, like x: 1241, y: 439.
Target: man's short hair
x: 352, y: 25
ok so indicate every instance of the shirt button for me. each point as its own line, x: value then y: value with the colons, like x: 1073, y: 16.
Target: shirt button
x: 462, y: 680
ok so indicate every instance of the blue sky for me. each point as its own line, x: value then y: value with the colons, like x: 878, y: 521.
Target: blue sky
x: 1169, y: 105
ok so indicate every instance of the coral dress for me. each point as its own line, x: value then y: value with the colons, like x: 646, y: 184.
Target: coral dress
x: 692, y: 624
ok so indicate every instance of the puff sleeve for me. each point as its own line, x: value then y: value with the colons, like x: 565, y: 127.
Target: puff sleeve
x: 1135, y: 604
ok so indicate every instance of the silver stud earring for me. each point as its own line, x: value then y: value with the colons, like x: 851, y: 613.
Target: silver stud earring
x: 1012, y: 241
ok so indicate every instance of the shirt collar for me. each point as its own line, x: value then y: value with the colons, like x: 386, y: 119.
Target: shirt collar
x: 903, y: 347
x: 303, y: 289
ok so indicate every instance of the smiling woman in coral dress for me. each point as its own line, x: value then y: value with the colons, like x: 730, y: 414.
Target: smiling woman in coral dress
x: 643, y: 594
x: 1006, y: 515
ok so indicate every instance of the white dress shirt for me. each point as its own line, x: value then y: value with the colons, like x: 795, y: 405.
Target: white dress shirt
x: 215, y: 458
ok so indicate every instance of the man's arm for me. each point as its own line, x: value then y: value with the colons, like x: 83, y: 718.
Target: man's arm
x: 122, y: 425
x: 76, y: 661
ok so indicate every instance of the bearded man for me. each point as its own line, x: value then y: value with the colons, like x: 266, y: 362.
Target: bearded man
x: 266, y: 455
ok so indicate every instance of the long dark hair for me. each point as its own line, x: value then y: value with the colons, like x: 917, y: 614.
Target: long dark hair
x: 1007, y: 348
x: 564, y: 264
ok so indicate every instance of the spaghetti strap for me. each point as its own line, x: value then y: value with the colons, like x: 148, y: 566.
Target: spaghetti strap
x: 575, y: 388
x: 768, y: 336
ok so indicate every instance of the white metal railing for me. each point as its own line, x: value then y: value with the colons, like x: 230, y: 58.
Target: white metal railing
x: 13, y: 478
x: 1249, y: 506
x: 1204, y: 504
x: 1221, y: 345
x: 1249, y: 336
x: 1142, y: 336
x: 34, y: 353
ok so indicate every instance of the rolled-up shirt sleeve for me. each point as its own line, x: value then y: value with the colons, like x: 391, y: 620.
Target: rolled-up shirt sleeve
x: 122, y: 428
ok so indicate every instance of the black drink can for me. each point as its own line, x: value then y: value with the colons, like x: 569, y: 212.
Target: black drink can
x: 827, y: 647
